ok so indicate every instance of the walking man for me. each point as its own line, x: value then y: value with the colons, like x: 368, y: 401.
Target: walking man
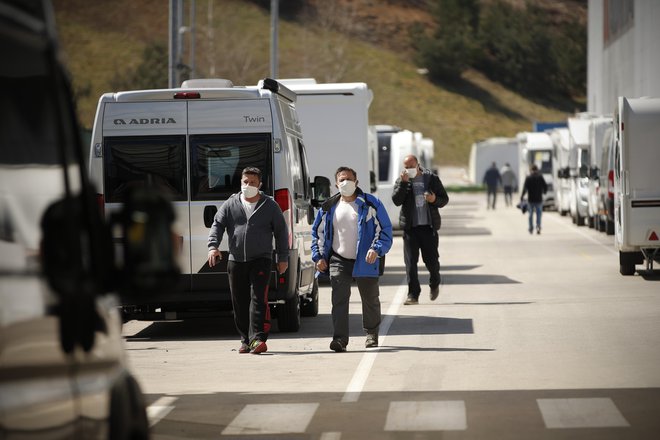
x: 534, y: 185
x: 508, y: 182
x: 251, y: 219
x: 350, y: 234
x: 420, y: 194
x: 492, y: 179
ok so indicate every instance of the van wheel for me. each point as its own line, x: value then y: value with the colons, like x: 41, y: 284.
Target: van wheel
x: 627, y: 269
x: 579, y: 220
x: 288, y: 315
x: 592, y: 222
x: 311, y: 308
x: 609, y: 229
x: 128, y: 414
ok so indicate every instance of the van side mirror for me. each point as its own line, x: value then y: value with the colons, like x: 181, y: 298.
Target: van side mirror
x: 594, y: 173
x: 373, y: 185
x: 321, y: 188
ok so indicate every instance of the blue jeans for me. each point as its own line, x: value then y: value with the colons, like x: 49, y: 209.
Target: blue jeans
x: 538, y: 208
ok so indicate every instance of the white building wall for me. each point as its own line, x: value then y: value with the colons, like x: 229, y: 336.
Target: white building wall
x: 629, y: 63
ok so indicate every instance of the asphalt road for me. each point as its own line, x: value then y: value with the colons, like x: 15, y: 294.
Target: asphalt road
x: 533, y: 336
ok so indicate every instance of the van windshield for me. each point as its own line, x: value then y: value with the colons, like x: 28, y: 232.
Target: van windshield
x: 542, y: 159
x: 217, y: 161
x: 136, y: 161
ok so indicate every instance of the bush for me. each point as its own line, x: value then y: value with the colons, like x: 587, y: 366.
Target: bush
x: 151, y: 73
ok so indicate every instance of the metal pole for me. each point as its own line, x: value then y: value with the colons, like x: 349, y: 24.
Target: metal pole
x: 274, y: 19
x: 210, y: 36
x: 173, y: 36
x: 179, y: 45
x: 192, y: 38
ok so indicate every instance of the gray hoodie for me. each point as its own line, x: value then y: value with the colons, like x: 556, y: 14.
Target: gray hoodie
x: 253, y: 238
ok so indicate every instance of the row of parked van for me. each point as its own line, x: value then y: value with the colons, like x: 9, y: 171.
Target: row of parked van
x: 605, y: 171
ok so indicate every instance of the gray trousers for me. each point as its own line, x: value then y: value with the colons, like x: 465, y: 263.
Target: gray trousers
x: 341, y: 277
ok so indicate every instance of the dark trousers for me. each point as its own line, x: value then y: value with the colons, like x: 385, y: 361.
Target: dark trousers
x: 341, y: 277
x: 492, y: 192
x: 508, y: 190
x: 249, y: 296
x: 422, y: 238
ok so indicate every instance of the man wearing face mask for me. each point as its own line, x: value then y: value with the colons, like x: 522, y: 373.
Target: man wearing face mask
x: 420, y: 194
x: 350, y: 234
x: 251, y: 219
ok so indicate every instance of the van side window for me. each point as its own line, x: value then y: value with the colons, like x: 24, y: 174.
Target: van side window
x: 305, y: 171
x: 217, y: 161
x: 384, y: 148
x: 294, y: 159
x: 145, y: 161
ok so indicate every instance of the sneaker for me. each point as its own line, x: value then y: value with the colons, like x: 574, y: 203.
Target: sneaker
x: 435, y: 291
x: 258, y: 346
x: 411, y: 300
x: 337, y: 345
x: 372, y: 340
x: 245, y: 348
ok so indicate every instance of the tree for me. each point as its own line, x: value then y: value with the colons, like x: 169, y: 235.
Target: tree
x: 151, y: 73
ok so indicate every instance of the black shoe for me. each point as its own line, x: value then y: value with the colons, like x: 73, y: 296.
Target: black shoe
x: 435, y: 291
x: 372, y: 340
x: 411, y: 300
x: 538, y: 230
x: 337, y: 346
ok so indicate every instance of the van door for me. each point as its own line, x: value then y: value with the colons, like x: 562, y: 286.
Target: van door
x: 224, y: 138
x: 144, y: 144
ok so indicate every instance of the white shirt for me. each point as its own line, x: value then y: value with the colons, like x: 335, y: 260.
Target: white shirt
x: 345, y: 227
x: 248, y: 207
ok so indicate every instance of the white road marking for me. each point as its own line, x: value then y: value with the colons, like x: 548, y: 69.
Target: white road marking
x: 159, y: 409
x: 361, y: 374
x: 272, y: 418
x: 597, y: 412
x: 576, y: 229
x: 438, y: 415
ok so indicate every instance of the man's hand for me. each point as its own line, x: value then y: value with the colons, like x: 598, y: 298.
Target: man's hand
x: 429, y: 196
x: 321, y: 265
x: 214, y: 257
x: 404, y: 176
x: 282, y: 266
x: 372, y: 256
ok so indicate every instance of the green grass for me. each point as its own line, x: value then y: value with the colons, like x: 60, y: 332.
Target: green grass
x: 103, y: 40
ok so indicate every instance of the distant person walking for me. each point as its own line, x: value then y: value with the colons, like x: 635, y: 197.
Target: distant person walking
x: 508, y: 182
x: 492, y: 180
x: 536, y: 187
x: 252, y: 219
x: 350, y: 234
x: 420, y: 194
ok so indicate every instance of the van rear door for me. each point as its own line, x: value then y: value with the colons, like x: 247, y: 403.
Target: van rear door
x: 144, y: 143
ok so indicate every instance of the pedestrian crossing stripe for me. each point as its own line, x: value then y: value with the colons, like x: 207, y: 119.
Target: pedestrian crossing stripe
x: 581, y: 413
x: 448, y: 415
x: 272, y: 418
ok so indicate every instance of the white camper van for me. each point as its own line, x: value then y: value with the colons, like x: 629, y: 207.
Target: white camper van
x: 536, y: 149
x: 579, y: 163
x: 427, y: 154
x: 606, y: 178
x: 560, y: 169
x: 637, y: 182
x: 393, y: 145
x: 597, y: 131
x: 500, y: 150
x: 193, y: 143
x: 334, y: 118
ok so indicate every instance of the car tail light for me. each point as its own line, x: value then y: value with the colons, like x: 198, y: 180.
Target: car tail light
x: 283, y: 199
x: 187, y: 95
x: 610, y: 184
x: 100, y: 202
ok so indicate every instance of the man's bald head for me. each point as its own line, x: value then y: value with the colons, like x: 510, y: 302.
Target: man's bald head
x: 410, y: 161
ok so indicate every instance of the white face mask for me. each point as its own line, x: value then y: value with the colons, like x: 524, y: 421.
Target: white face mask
x: 346, y: 188
x: 249, y: 191
x: 412, y: 172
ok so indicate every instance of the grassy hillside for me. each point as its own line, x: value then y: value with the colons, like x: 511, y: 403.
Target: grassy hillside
x: 105, y: 39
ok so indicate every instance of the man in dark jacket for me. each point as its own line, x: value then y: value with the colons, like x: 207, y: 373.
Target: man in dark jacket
x: 534, y: 185
x: 492, y: 179
x: 251, y: 220
x: 420, y: 194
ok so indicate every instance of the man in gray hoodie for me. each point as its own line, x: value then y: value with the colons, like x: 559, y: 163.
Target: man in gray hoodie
x: 251, y: 219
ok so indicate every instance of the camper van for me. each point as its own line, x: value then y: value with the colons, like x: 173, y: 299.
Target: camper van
x: 579, y: 164
x: 192, y: 143
x: 536, y: 149
x: 427, y: 154
x: 334, y: 118
x: 606, y: 178
x: 596, y: 135
x: 637, y: 182
x: 394, y: 144
x: 500, y: 150
x: 560, y: 171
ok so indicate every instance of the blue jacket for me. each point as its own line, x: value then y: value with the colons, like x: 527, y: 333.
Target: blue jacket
x: 374, y: 232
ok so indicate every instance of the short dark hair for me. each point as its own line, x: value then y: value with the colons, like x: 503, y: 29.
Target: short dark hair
x: 342, y: 169
x: 253, y: 171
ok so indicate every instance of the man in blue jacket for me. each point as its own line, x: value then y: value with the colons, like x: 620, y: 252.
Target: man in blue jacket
x: 350, y: 234
x: 252, y: 220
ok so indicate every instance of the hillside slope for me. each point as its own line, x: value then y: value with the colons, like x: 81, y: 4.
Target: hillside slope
x: 105, y: 39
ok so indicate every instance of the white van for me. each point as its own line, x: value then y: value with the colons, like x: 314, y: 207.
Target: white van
x: 193, y: 143
x: 63, y: 368
x: 500, y: 150
x: 393, y: 145
x: 606, y: 178
x: 597, y: 131
x: 637, y: 182
x: 579, y: 163
x: 535, y: 148
x: 560, y: 169
x: 427, y: 154
x: 335, y: 124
